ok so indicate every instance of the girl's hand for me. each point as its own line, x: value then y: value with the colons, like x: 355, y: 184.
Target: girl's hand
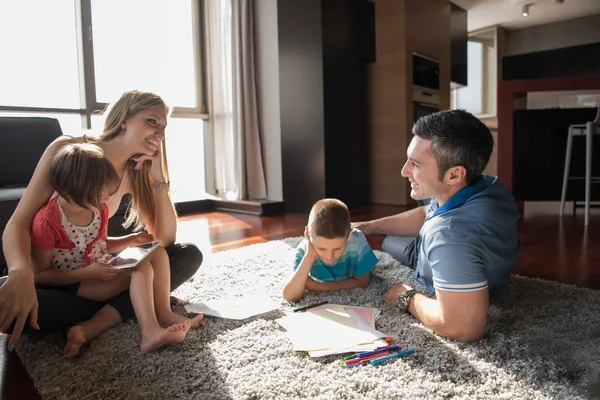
x: 156, y: 167
x: 101, y: 272
x: 142, y: 237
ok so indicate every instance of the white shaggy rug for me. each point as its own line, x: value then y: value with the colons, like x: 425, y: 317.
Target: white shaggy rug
x: 542, y: 342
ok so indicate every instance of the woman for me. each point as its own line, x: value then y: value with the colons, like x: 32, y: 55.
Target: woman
x: 133, y: 141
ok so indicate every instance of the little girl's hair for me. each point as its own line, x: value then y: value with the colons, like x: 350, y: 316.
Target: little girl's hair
x: 80, y: 173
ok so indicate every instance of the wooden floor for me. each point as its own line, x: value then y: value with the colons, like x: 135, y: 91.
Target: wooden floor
x: 562, y: 250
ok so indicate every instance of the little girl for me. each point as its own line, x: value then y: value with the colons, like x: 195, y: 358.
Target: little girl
x: 70, y: 249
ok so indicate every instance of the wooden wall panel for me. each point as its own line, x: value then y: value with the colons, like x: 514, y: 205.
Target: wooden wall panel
x: 402, y: 27
x: 388, y: 103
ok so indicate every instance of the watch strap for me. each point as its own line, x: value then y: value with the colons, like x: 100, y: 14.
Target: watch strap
x: 404, y: 299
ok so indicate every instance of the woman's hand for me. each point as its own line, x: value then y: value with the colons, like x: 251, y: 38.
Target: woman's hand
x: 18, y: 300
x: 155, y: 168
x: 101, y: 272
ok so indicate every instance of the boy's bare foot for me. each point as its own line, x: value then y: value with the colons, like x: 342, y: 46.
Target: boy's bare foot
x: 172, y: 318
x: 159, y: 337
x: 75, y: 339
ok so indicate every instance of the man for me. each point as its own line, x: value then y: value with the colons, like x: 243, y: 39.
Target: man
x: 465, y: 241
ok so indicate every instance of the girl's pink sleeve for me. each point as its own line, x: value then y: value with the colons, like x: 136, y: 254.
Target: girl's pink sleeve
x: 43, y: 233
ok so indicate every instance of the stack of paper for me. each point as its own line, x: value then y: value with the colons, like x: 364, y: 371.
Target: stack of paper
x: 333, y: 329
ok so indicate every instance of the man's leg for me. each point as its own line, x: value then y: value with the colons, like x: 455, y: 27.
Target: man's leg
x: 402, y: 248
x: 184, y: 261
x: 59, y: 310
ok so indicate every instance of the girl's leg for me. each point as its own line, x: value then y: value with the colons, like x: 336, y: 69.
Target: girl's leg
x: 142, y: 296
x: 102, y: 291
x: 88, y: 330
x: 162, y: 285
x: 104, y: 319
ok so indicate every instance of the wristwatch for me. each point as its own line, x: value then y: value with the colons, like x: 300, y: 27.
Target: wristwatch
x: 404, y: 299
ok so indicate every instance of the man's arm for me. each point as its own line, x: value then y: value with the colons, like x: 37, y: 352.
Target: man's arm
x: 349, y: 283
x: 408, y: 223
x: 457, y: 315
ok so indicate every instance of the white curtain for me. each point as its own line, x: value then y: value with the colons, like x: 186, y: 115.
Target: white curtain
x: 239, y: 171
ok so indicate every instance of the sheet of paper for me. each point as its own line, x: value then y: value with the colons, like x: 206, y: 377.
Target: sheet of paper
x: 367, y: 314
x: 356, y: 349
x: 236, y: 308
x: 331, y: 328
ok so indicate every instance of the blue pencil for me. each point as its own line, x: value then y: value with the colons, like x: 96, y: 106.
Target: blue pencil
x: 381, y: 350
x: 382, y: 359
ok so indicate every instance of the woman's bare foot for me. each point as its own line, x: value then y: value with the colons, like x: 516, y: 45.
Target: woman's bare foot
x: 160, y: 337
x: 75, y: 339
x: 171, y: 318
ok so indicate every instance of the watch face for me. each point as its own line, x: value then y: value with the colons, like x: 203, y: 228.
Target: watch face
x: 401, y: 302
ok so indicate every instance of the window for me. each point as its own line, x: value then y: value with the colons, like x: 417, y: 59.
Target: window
x: 71, y: 57
x: 39, y: 54
x: 479, y: 96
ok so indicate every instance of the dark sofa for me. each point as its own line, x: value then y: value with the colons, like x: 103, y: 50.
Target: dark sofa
x: 22, y: 143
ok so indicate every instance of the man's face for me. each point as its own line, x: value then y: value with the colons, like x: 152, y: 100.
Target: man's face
x: 421, y: 169
x: 329, y: 250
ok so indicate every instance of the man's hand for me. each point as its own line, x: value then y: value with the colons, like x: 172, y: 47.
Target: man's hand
x: 391, y: 296
x: 362, y: 226
x: 18, y: 300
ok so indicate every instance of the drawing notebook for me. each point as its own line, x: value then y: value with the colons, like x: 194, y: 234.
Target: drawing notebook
x: 131, y: 256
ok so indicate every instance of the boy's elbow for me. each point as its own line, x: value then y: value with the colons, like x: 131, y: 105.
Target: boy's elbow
x: 289, y: 296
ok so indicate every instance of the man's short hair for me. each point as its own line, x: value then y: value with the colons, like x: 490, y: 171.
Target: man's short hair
x: 458, y: 139
x: 80, y: 173
x: 329, y: 218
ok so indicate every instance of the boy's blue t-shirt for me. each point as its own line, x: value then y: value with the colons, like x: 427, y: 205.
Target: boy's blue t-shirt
x: 357, y: 260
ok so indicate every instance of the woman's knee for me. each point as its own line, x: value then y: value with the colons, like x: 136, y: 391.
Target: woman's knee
x: 185, y: 260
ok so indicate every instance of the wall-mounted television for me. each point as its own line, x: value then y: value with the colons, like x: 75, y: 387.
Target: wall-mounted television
x: 426, y: 71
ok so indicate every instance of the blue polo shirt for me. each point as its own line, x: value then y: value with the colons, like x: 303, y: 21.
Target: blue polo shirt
x: 357, y: 260
x: 471, y: 242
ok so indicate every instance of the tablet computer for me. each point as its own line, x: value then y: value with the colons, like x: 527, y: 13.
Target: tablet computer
x: 131, y: 256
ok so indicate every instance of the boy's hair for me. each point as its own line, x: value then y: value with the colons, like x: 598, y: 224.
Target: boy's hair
x: 329, y: 218
x: 80, y: 173
x: 458, y: 139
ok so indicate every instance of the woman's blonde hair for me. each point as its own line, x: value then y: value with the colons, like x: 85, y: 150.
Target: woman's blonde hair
x: 142, y: 205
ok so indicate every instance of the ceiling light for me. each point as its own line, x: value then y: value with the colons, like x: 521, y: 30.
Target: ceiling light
x: 525, y: 10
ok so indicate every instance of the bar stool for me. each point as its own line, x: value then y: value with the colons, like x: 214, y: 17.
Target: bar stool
x: 589, y: 129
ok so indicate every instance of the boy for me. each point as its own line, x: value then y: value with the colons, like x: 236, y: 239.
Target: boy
x: 332, y: 256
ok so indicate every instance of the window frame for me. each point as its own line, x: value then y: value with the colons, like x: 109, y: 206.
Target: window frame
x: 87, y: 82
